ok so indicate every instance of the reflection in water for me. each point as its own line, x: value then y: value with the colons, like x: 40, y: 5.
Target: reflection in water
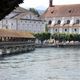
x: 42, y: 64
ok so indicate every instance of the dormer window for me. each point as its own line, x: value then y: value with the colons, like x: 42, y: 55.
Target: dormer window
x: 69, y: 11
x: 77, y: 21
x: 52, y: 12
x: 68, y: 21
x: 59, y: 22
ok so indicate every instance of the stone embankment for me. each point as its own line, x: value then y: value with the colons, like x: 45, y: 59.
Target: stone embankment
x: 73, y: 44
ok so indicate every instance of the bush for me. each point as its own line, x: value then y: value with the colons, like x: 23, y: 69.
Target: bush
x: 66, y: 37
x: 42, y: 36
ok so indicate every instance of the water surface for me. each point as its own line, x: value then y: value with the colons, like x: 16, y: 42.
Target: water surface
x: 42, y: 64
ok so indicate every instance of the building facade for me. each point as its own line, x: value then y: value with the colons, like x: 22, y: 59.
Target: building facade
x: 23, y: 20
x: 63, y: 18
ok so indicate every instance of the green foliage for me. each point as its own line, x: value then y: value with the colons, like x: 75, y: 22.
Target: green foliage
x: 46, y: 28
x: 66, y: 37
x: 6, y: 6
x: 34, y: 11
x: 42, y: 36
x: 55, y: 36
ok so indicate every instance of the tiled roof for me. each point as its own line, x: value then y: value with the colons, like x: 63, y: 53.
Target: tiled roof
x: 13, y: 33
x: 62, y: 11
x: 18, y: 13
x: 23, y: 13
x: 20, y: 10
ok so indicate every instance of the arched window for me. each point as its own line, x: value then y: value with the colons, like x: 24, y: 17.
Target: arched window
x: 68, y: 21
x: 59, y: 21
x: 77, y: 21
x: 49, y: 22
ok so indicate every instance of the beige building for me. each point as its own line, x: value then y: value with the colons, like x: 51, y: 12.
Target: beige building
x: 63, y: 18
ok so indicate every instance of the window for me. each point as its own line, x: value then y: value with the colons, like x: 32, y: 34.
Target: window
x: 42, y: 22
x: 6, y: 27
x: 21, y: 20
x: 52, y: 12
x: 77, y: 21
x: 34, y: 22
x: 49, y: 22
x: 65, y: 30
x: 68, y: 21
x: 75, y: 30
x: 59, y: 21
x: 69, y: 11
x: 25, y: 21
x: 56, y: 30
x: 11, y: 24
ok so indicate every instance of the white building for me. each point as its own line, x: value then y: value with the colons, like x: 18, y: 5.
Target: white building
x: 63, y: 18
x: 23, y: 20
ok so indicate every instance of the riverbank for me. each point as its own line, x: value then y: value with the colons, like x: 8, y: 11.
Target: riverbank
x: 57, y: 45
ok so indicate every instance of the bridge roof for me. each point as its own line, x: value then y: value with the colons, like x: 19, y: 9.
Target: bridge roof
x: 13, y: 33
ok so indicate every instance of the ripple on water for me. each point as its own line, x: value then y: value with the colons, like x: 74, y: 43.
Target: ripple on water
x: 42, y: 64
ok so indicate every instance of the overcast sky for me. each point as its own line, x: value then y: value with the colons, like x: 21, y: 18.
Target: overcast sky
x: 43, y: 4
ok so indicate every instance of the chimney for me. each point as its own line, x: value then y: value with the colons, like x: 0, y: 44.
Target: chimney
x: 50, y: 3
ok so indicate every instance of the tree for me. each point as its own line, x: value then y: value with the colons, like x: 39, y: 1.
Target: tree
x: 46, y: 28
x: 42, y: 36
x: 6, y: 6
x: 66, y: 37
x: 62, y: 37
x: 34, y: 11
x: 55, y: 36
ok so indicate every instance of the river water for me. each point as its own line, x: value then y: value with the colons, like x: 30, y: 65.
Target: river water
x: 42, y: 64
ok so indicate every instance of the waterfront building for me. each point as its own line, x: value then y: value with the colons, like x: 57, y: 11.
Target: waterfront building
x: 62, y: 18
x: 21, y: 19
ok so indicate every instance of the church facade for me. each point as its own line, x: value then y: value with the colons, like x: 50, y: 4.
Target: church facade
x: 62, y: 18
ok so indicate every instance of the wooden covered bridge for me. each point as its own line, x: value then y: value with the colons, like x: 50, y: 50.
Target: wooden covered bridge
x: 13, y: 42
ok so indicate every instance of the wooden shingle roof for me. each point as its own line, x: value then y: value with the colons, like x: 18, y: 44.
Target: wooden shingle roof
x: 13, y: 33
